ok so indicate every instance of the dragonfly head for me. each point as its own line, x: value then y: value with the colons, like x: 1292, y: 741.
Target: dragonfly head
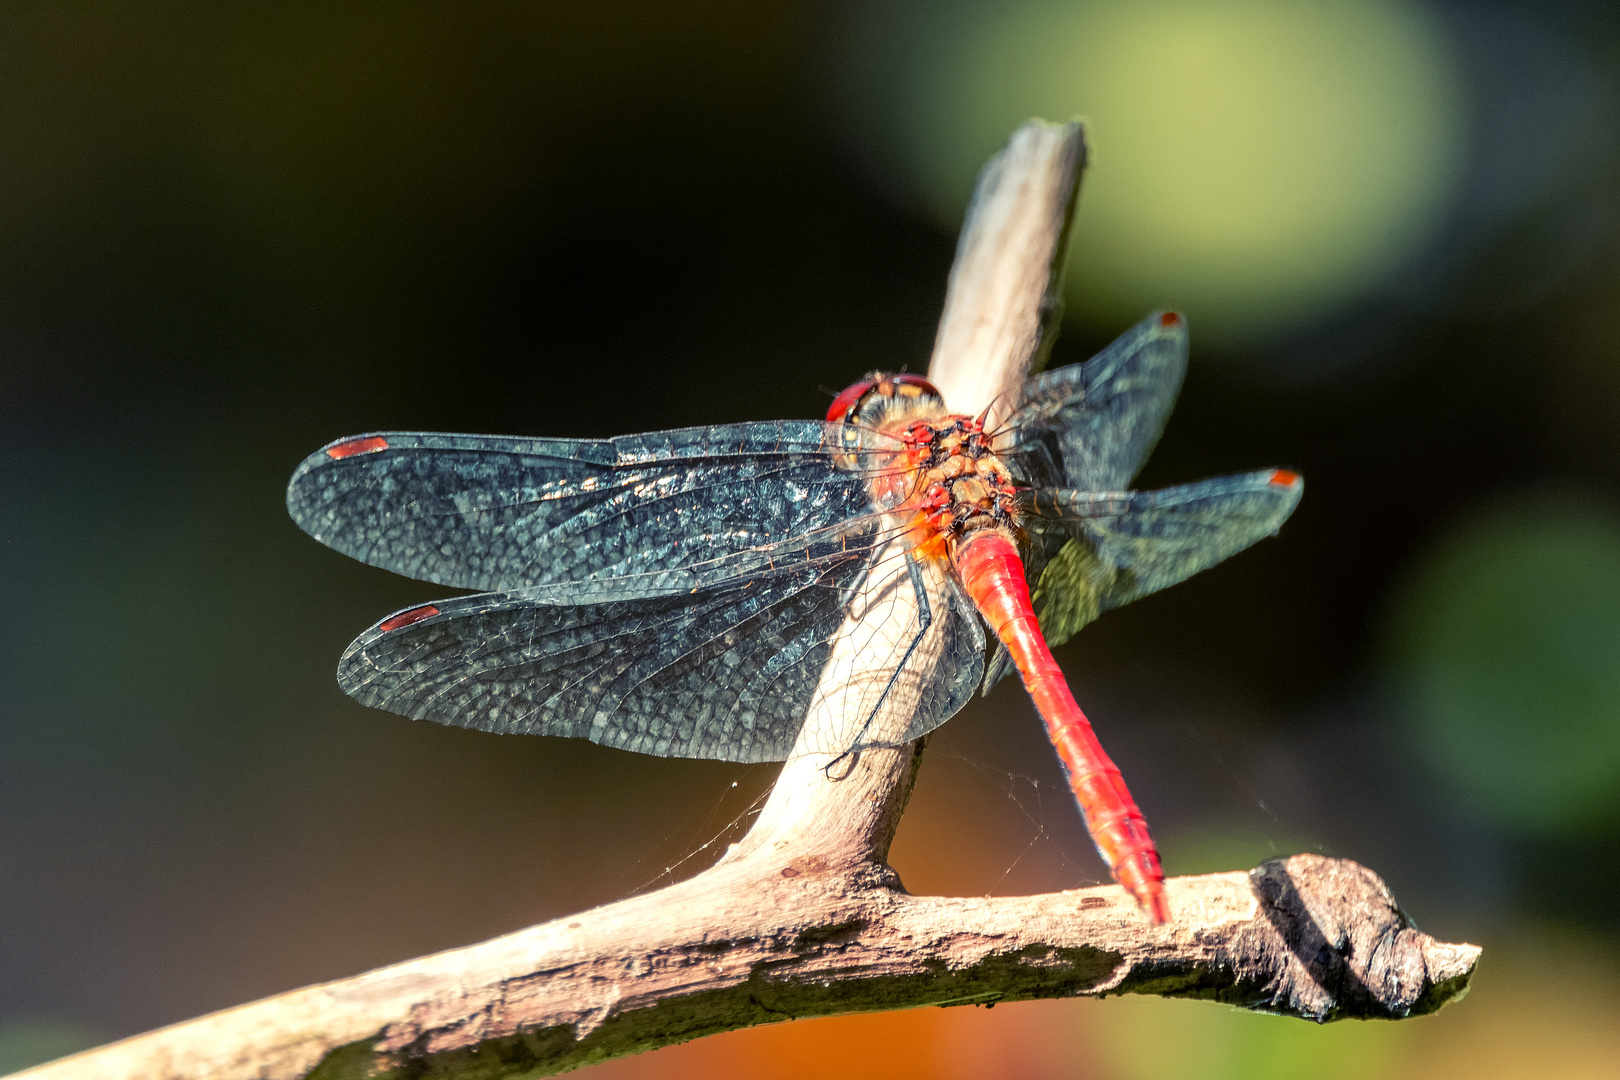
x: 878, y: 398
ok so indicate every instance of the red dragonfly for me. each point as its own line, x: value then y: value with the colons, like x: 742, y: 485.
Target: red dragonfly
x: 699, y: 592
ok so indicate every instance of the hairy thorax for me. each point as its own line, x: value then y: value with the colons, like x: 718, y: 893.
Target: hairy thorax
x: 945, y: 481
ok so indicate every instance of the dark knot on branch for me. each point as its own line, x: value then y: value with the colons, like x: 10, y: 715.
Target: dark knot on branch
x: 1335, y: 944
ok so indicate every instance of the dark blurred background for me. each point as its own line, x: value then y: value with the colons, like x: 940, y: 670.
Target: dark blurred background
x: 232, y: 233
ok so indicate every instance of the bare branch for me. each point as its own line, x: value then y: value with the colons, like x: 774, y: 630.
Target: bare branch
x: 756, y: 941
x: 1005, y: 298
x: 804, y: 917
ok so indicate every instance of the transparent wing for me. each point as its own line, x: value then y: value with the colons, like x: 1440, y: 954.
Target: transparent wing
x: 639, y: 515
x: 1091, y: 426
x: 1123, y: 545
x: 728, y: 672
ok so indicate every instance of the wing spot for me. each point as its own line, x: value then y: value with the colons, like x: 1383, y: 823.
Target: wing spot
x: 367, y: 444
x: 1169, y: 318
x: 406, y: 618
x: 1283, y: 478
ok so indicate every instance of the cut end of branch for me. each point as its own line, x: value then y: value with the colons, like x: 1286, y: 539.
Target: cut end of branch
x: 1335, y: 944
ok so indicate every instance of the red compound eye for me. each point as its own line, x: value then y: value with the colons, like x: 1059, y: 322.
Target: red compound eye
x: 846, y: 401
x: 903, y: 385
x: 1169, y: 318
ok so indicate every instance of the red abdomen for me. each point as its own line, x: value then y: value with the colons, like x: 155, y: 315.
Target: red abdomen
x: 993, y: 574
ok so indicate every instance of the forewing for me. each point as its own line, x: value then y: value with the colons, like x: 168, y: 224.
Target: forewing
x: 639, y: 515
x: 1101, y: 419
x: 724, y: 673
x: 1123, y: 545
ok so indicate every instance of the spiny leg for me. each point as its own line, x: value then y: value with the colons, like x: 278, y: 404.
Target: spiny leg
x: 925, y: 619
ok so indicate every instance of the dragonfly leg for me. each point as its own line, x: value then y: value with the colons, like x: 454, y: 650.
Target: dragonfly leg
x: 925, y: 619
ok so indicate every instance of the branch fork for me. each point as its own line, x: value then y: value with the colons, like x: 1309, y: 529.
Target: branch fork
x: 804, y: 917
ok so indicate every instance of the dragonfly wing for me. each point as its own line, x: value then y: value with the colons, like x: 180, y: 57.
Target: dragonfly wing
x: 1123, y: 545
x: 1102, y: 418
x: 960, y: 667
x: 724, y: 673
x: 639, y: 515
x: 998, y: 667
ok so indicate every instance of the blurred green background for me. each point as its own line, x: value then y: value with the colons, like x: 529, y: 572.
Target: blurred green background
x: 231, y: 233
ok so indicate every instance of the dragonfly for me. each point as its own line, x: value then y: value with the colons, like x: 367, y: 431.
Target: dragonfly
x: 699, y: 592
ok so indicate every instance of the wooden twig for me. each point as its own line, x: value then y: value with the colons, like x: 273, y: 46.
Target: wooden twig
x: 1005, y: 297
x: 759, y: 940
x: 804, y: 917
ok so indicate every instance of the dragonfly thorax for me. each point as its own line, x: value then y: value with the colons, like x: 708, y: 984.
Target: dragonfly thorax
x: 946, y: 480
x: 946, y: 476
x: 967, y: 490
